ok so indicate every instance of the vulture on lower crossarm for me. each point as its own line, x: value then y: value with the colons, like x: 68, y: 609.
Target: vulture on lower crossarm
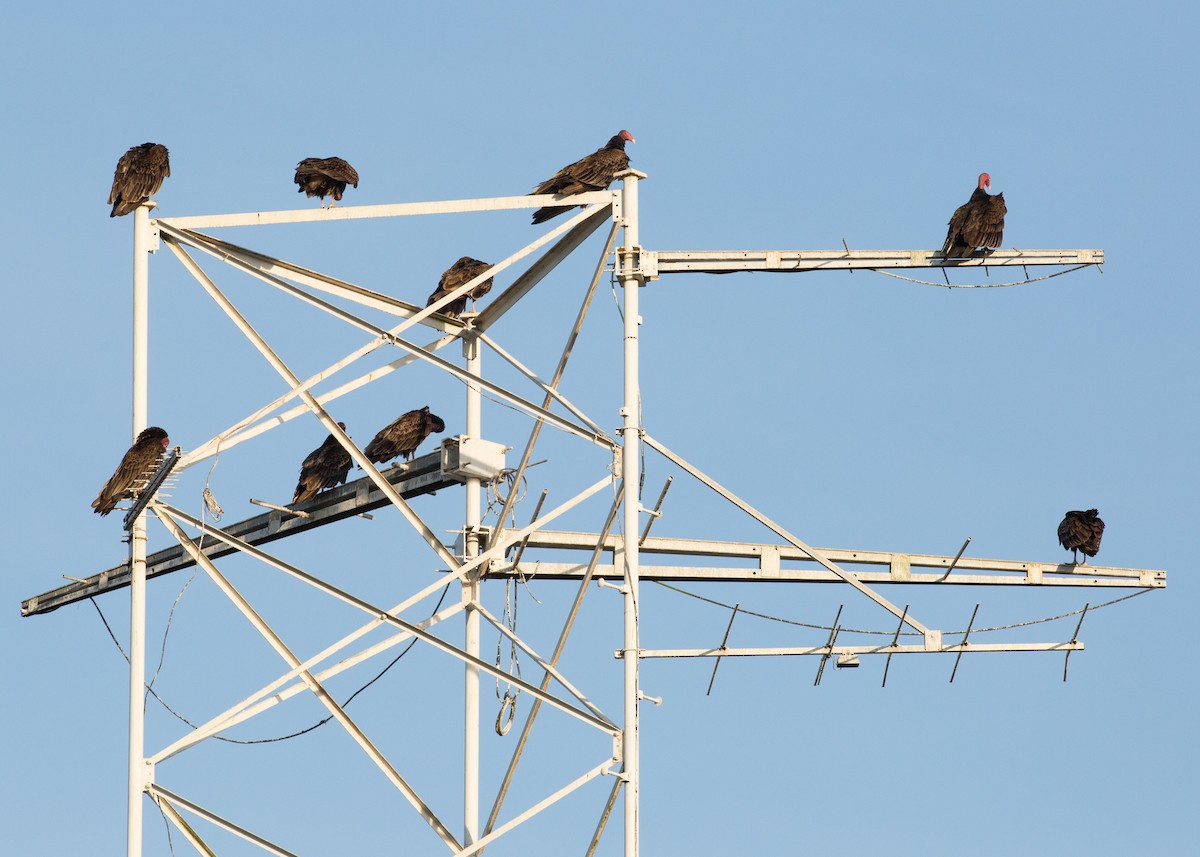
x: 325, y: 177
x: 459, y: 274
x: 977, y: 223
x: 1081, y: 531
x: 138, y: 463
x: 404, y: 435
x: 140, y: 173
x: 325, y: 467
x: 594, y: 172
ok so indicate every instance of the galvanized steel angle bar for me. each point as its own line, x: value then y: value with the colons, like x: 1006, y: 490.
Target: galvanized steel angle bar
x: 161, y: 794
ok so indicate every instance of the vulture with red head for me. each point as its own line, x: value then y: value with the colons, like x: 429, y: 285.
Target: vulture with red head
x: 325, y: 467
x: 325, y: 177
x: 140, y: 173
x: 141, y: 460
x: 977, y: 223
x: 1081, y: 532
x: 594, y: 172
x: 459, y: 274
x: 404, y: 435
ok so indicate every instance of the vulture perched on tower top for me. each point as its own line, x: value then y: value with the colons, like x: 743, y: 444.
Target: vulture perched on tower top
x: 325, y: 177
x: 977, y: 223
x: 404, y: 435
x: 459, y: 274
x: 140, y: 173
x: 594, y: 172
x: 138, y: 463
x: 325, y: 467
x: 1081, y: 531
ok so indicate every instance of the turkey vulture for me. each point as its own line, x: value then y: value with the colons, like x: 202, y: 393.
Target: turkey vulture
x: 459, y: 274
x: 138, y: 463
x: 1081, y: 531
x: 977, y: 223
x: 595, y: 172
x: 404, y: 435
x: 325, y: 177
x: 139, y: 173
x: 325, y: 467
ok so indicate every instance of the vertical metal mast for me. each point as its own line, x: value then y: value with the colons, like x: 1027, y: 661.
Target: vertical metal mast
x: 470, y: 596
x: 137, y: 536
x: 631, y: 437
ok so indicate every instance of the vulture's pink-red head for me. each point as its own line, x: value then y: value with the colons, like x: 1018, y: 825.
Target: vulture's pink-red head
x: 985, y: 181
x: 625, y: 135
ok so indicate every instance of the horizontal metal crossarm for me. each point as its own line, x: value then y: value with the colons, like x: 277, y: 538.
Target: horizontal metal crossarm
x: 421, y: 476
x: 767, y: 560
x: 656, y: 262
x: 402, y: 209
x: 829, y: 651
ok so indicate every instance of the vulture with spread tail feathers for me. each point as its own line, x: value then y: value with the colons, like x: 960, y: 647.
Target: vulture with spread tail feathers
x: 140, y: 173
x: 1081, y: 531
x: 137, y: 464
x: 594, y: 172
x: 325, y: 177
x: 404, y: 435
x: 459, y: 274
x: 977, y: 223
x: 325, y: 467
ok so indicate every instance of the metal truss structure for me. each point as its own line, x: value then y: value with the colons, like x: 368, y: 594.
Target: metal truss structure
x: 616, y: 548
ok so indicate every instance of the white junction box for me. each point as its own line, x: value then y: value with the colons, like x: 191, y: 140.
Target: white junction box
x: 464, y: 457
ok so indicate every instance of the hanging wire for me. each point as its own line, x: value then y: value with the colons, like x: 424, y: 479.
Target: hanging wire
x: 949, y: 285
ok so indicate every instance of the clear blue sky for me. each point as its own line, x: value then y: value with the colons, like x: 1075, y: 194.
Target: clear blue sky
x: 857, y: 410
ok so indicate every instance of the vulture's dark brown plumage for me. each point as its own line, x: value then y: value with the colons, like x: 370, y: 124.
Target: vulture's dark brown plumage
x: 140, y: 173
x: 594, y: 172
x: 404, y: 435
x: 325, y: 177
x: 459, y: 274
x: 1081, y: 531
x: 137, y: 464
x: 325, y: 467
x: 977, y: 223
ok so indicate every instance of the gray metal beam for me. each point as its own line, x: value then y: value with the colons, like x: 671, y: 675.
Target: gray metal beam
x: 659, y: 262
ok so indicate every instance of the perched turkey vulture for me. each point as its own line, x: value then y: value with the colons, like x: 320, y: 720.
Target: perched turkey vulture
x: 1081, y: 531
x: 138, y: 463
x: 459, y: 274
x: 977, y: 223
x: 325, y: 467
x: 404, y: 435
x: 325, y: 177
x: 139, y: 173
x: 595, y: 172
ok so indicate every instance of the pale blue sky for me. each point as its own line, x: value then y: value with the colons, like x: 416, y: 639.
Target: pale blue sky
x: 859, y: 411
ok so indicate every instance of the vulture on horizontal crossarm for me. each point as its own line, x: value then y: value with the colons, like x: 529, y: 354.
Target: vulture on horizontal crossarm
x: 459, y: 274
x: 403, y: 436
x: 139, y: 461
x: 593, y: 172
x: 325, y: 177
x: 139, y: 174
x: 979, y: 222
x: 325, y: 467
x: 1081, y: 531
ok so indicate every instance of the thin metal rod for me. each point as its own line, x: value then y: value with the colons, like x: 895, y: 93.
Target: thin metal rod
x: 963, y: 645
x: 559, y: 370
x: 833, y: 632
x: 724, y: 639
x: 1074, y: 637
x: 895, y: 641
x: 656, y: 512
x: 537, y: 510
x: 210, y: 816
x: 847, y: 576
x: 559, y: 647
x: 189, y: 833
x: 470, y: 598
x: 605, y: 814
x: 954, y: 561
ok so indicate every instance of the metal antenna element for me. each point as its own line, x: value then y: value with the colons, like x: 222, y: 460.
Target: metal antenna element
x: 963, y: 644
x: 152, y: 485
x: 847, y: 246
x: 895, y: 641
x: 954, y: 562
x: 536, y: 511
x: 724, y: 639
x: 283, y: 509
x: 1074, y: 638
x: 833, y: 632
x: 656, y: 512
